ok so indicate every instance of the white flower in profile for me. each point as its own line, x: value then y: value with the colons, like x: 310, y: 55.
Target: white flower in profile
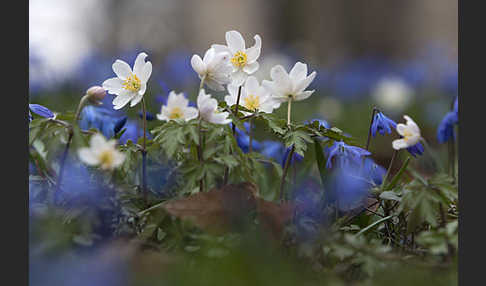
x: 129, y: 86
x: 291, y: 86
x: 208, y: 109
x: 101, y: 153
x: 393, y: 94
x: 177, y: 108
x: 410, y: 133
x: 213, y: 67
x: 253, y: 97
x: 243, y: 60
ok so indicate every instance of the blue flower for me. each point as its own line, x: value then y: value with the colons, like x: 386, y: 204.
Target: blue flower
x: 416, y: 149
x: 40, y: 110
x: 295, y: 157
x: 243, y: 140
x: 272, y: 149
x: 445, y: 131
x: 148, y: 115
x: 133, y: 132
x: 382, y: 124
x: 373, y: 171
x: 100, y: 118
x: 345, y: 154
x: 322, y: 122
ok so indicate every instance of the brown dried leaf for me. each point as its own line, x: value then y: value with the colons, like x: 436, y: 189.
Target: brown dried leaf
x: 274, y: 216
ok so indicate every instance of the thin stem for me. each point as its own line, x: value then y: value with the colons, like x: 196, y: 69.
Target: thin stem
x: 200, y: 155
x: 63, y: 160
x: 368, y: 141
x: 144, y: 152
x: 289, y: 109
x: 285, y: 170
x: 202, y: 82
x: 82, y: 103
x: 452, y: 157
x: 236, y: 108
x: 389, y: 167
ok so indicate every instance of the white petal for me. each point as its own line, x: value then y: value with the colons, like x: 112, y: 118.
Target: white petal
x: 122, y: 99
x: 161, y: 116
x: 298, y: 72
x: 251, y: 68
x: 220, y: 118
x: 136, y: 99
x: 238, y: 78
x: 412, y: 125
x: 97, y: 140
x: 235, y: 41
x: 143, y: 88
x: 113, y: 85
x: 118, y: 160
x: 146, y: 72
x: 251, y: 85
x: 139, y: 64
x: 209, y: 55
x: 218, y: 62
x: 303, y: 95
x: 399, y: 144
x: 303, y: 84
x: 401, y: 128
x: 214, y: 85
x: 198, y: 64
x: 220, y: 48
x: 254, y: 52
x: 121, y: 69
x: 279, y: 75
x: 86, y: 156
x: 190, y: 113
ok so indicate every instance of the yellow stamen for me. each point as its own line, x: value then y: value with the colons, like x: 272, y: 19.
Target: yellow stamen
x: 132, y: 83
x: 106, y: 158
x: 176, y: 113
x: 252, y: 102
x: 239, y: 59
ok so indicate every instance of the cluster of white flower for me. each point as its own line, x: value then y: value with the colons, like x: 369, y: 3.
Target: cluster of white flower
x: 223, y: 67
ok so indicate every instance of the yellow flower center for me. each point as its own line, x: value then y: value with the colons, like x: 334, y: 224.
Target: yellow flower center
x: 132, y: 83
x: 252, y: 102
x: 407, y: 134
x: 107, y: 158
x: 176, y: 113
x: 239, y: 59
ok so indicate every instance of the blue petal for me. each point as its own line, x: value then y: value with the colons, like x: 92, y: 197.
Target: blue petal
x: 41, y: 110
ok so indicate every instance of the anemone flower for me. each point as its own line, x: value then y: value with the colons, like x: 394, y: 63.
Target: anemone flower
x: 253, y: 97
x: 177, y: 108
x: 208, y: 109
x: 213, y: 68
x: 101, y: 153
x: 410, y: 132
x: 129, y: 85
x: 243, y: 60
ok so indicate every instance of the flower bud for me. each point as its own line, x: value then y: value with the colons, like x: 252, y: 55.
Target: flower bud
x: 96, y: 93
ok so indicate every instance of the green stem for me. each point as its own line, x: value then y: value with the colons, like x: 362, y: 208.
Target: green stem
x: 236, y: 108
x: 285, y: 170
x: 373, y: 224
x: 82, y: 103
x: 289, y: 109
x: 200, y: 155
x: 389, y: 168
x: 144, y: 152
x: 368, y: 141
x: 250, y: 135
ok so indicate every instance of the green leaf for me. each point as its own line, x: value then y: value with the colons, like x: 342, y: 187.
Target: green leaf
x: 389, y: 195
x: 397, y: 177
x: 321, y: 161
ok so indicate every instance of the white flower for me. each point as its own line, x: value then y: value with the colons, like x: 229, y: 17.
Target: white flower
x: 213, y: 67
x: 177, y: 108
x: 101, y: 153
x: 393, y: 94
x: 129, y: 85
x: 289, y: 86
x: 243, y: 60
x: 253, y: 97
x: 410, y: 133
x: 208, y: 109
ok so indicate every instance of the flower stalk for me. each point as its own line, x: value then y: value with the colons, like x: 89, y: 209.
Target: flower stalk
x: 389, y: 168
x: 289, y: 109
x: 144, y: 152
x: 285, y: 171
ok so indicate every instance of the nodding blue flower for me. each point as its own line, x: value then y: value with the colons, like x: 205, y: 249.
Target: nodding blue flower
x: 243, y: 139
x: 148, y: 115
x: 100, y: 118
x: 40, y: 110
x: 417, y: 149
x: 382, y: 124
x: 119, y: 124
x: 350, y: 188
x: 322, y: 122
x: 373, y: 171
x: 445, y: 131
x: 133, y: 132
x: 345, y: 154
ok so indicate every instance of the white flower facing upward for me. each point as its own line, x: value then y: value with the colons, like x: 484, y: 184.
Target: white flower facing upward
x: 291, y: 86
x: 213, y: 67
x: 208, y: 109
x: 129, y: 86
x: 177, y: 108
x: 101, y: 153
x: 253, y: 97
x: 243, y: 60
x: 410, y: 133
